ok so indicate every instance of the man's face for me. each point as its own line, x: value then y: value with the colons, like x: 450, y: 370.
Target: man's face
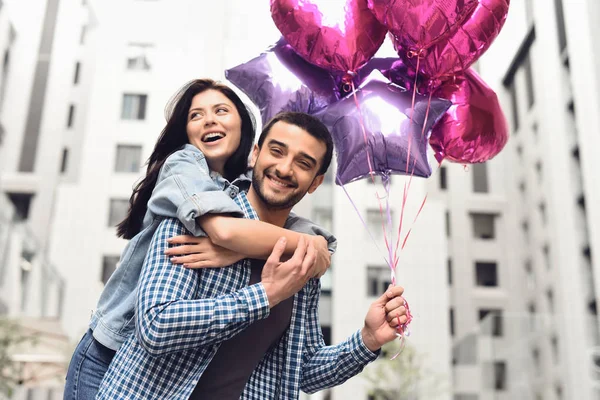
x: 286, y: 166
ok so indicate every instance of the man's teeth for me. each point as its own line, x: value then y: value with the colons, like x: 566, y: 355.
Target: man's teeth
x: 279, y: 183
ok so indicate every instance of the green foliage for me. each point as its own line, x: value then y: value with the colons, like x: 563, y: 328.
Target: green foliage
x: 12, y: 336
x: 402, y: 377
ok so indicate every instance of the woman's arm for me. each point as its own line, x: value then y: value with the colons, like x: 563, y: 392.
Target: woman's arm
x: 235, y: 238
x: 185, y: 190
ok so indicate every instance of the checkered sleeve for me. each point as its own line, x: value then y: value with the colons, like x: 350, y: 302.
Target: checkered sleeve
x: 327, y: 366
x: 170, y: 318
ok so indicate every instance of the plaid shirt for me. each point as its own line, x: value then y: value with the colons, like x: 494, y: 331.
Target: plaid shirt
x: 183, y: 315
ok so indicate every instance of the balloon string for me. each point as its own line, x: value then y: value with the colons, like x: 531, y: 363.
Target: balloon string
x: 402, y: 328
x: 360, y: 217
x: 372, y: 176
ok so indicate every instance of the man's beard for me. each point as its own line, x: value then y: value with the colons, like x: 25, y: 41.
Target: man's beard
x: 272, y: 204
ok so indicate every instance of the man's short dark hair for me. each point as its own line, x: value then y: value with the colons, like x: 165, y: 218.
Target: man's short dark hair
x: 310, y: 124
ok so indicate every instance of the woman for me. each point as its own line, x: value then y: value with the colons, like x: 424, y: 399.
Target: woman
x: 191, y: 173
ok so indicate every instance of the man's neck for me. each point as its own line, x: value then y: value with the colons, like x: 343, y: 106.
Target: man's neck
x: 265, y: 214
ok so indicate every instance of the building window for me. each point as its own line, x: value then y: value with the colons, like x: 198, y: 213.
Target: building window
x: 537, y: 358
x: 532, y: 310
x: 555, y: 352
x: 465, y: 396
x: 448, y: 231
x: 523, y: 187
x: 550, y: 297
x: 83, y: 34
x: 375, y: 222
x: 323, y: 217
x: 22, y: 204
x: 71, y: 117
x: 500, y: 375
x: 559, y: 392
x: 451, y: 322
x: 443, y: 178
x: 138, y: 57
x: 543, y: 216
x: 546, y: 252
x: 64, y: 161
x: 77, y: 72
x: 328, y: 178
x: 109, y: 265
x: 530, y: 275
x: 480, y: 178
x: 514, y: 106
x: 483, y: 226
x: 134, y: 106
x: 449, y: 271
x: 128, y: 158
x: 486, y: 274
x: 529, y: 11
x: 326, y: 330
x: 378, y: 280
x: 529, y: 81
x: 560, y: 25
x: 491, y: 322
x: 539, y: 170
x: 118, y: 211
x: 326, y: 283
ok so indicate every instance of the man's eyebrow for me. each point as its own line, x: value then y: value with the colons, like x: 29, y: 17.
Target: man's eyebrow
x: 303, y: 154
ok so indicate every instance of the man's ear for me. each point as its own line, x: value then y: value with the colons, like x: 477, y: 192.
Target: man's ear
x: 255, y: 152
x: 316, y: 183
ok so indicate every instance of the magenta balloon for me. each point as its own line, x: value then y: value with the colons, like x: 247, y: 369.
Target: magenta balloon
x: 442, y: 37
x: 336, y: 35
x: 474, y: 129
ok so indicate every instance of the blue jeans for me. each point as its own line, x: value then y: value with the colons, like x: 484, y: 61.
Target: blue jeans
x: 88, y: 365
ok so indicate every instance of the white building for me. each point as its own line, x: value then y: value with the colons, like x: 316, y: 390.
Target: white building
x: 545, y: 67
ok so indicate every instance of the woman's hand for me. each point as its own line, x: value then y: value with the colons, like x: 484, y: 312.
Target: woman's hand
x: 194, y: 252
x: 323, y: 256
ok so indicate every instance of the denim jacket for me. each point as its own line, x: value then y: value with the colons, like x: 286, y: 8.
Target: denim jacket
x: 185, y: 190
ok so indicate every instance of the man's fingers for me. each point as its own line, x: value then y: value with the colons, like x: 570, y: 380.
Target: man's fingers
x: 277, y: 252
x: 310, y: 261
x: 390, y: 293
x: 395, y: 313
x: 397, y: 319
x: 300, y: 251
x: 394, y: 303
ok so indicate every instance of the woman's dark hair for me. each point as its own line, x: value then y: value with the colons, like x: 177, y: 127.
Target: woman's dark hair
x: 173, y: 137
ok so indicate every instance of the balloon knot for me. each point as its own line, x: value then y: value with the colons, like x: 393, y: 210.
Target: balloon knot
x: 420, y: 54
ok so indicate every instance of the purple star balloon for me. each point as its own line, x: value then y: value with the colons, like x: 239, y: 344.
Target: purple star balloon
x: 280, y: 80
x: 393, y: 140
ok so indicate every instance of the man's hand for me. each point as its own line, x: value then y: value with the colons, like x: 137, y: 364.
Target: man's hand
x: 200, y: 253
x: 382, y: 318
x: 283, y: 280
x: 322, y: 253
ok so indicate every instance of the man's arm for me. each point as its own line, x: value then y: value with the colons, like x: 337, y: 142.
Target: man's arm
x: 169, y: 317
x: 327, y: 366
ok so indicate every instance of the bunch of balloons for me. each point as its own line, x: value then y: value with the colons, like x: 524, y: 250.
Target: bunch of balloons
x: 386, y: 110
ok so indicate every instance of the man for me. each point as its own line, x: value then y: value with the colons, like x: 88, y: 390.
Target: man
x: 247, y: 331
